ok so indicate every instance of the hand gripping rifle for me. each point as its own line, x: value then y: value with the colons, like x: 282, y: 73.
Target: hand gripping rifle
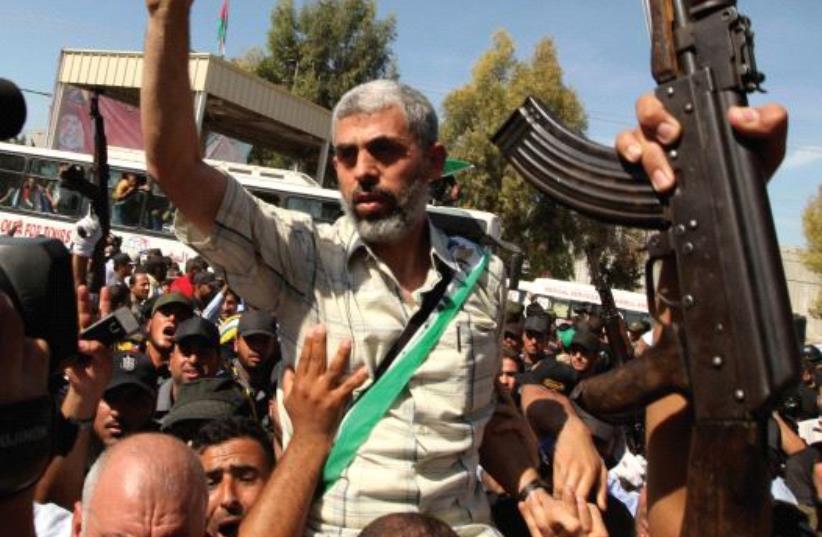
x: 732, y: 326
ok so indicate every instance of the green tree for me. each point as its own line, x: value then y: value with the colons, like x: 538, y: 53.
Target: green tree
x: 550, y: 235
x: 328, y: 47
x: 321, y: 51
x: 812, y: 256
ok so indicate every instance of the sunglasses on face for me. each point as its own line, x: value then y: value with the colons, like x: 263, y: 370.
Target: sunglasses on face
x: 383, y: 149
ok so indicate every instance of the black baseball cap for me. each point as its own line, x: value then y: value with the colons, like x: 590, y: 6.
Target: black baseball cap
x: 205, y: 277
x: 134, y: 369
x: 536, y: 323
x: 257, y: 322
x: 586, y: 339
x: 172, y: 298
x: 551, y: 374
x: 515, y: 329
x: 199, y: 328
x: 207, y: 399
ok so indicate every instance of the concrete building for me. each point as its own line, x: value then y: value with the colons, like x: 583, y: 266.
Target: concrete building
x: 803, y: 288
x: 227, y: 100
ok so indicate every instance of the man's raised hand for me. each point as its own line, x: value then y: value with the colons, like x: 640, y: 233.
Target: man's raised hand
x: 317, y: 391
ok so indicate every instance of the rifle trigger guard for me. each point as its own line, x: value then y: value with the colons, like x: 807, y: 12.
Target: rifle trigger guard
x: 659, y: 247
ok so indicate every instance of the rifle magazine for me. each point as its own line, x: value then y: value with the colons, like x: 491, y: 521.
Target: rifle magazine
x: 580, y: 174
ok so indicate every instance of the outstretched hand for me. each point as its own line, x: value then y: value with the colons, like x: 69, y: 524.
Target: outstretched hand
x: 317, y: 392
x: 766, y: 127
x: 88, y: 377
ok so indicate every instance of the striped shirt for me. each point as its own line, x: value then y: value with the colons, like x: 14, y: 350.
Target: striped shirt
x: 422, y: 456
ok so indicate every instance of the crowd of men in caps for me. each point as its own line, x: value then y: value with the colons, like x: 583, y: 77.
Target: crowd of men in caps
x: 183, y: 434
x: 203, y: 368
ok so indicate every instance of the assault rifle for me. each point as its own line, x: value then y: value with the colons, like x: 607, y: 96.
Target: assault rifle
x: 732, y: 350
x: 100, y: 201
x: 621, y: 351
x: 96, y: 191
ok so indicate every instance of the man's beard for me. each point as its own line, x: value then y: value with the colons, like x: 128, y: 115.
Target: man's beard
x: 404, y: 211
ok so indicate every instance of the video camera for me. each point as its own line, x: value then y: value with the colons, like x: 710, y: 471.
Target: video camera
x: 36, y: 275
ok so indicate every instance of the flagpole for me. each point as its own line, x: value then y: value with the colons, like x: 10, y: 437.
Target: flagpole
x: 222, y: 28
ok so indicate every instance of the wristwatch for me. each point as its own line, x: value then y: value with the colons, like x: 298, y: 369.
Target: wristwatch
x: 537, y: 483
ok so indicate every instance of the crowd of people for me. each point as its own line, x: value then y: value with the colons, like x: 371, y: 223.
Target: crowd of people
x: 361, y: 378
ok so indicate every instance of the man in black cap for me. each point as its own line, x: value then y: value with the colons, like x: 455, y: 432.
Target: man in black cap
x: 205, y: 288
x: 167, y: 312
x: 202, y: 401
x: 560, y: 377
x: 535, y: 339
x: 257, y: 353
x: 512, y: 336
x: 584, y: 351
x: 196, y: 355
x: 128, y: 402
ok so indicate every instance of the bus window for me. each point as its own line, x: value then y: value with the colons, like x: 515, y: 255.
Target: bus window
x: 159, y: 213
x: 631, y: 316
x: 322, y: 211
x: 12, y: 163
x: 561, y: 308
x: 268, y: 197
x: 127, y: 198
x: 45, y: 168
x: 10, y: 187
x: 34, y: 195
x: 65, y: 201
x: 47, y: 194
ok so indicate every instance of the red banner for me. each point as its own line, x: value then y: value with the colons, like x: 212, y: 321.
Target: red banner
x: 75, y: 131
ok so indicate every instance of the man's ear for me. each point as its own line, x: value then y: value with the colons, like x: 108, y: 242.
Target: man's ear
x: 77, y: 520
x: 436, y: 160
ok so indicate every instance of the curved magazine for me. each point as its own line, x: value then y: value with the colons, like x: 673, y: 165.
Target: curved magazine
x: 580, y: 174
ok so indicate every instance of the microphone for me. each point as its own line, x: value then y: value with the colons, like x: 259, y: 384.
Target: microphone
x: 12, y: 110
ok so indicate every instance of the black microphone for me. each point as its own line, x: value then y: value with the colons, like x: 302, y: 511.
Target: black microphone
x: 12, y: 110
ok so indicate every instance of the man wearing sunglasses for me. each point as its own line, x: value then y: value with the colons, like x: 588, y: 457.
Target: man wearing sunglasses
x: 364, y: 278
x: 196, y: 355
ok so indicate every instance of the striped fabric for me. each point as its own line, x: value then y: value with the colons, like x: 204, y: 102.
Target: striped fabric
x: 422, y: 456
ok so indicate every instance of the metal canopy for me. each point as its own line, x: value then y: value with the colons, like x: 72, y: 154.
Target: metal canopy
x: 228, y: 100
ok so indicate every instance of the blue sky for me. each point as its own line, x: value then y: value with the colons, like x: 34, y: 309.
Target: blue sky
x: 603, y: 48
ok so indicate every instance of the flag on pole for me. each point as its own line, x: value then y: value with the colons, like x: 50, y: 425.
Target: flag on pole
x: 222, y: 28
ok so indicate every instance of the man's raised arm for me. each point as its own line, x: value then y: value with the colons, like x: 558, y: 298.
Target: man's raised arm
x: 170, y: 133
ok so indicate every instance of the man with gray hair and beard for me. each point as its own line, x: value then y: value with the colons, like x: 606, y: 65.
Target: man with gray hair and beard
x: 146, y: 485
x: 416, y: 445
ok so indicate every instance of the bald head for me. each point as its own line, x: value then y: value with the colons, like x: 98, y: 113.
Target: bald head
x: 408, y: 525
x: 147, y: 484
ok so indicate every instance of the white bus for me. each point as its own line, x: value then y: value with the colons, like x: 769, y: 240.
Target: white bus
x: 561, y: 298
x: 33, y: 202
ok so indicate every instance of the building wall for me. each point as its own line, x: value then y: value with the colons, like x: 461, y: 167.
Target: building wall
x: 803, y: 287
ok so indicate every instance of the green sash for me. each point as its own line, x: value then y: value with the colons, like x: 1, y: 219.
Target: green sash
x: 375, y: 402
